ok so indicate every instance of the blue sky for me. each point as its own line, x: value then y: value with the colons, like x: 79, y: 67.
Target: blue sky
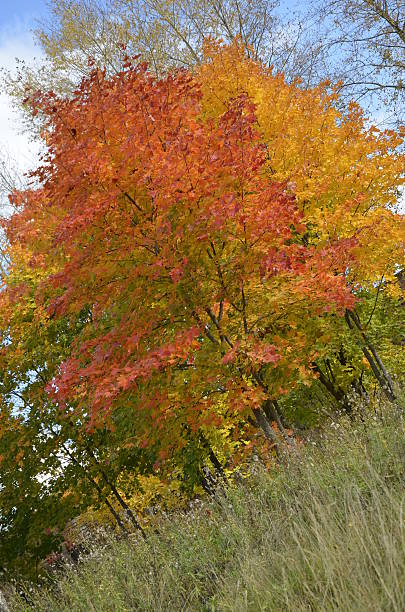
x: 13, y: 12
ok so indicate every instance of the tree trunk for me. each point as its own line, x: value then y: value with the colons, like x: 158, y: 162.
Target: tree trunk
x: 336, y: 392
x: 116, y: 494
x: 265, y: 426
x: 97, y: 488
x: 377, y: 367
x: 116, y: 516
x: 128, y: 510
x: 271, y: 411
x: 213, y: 458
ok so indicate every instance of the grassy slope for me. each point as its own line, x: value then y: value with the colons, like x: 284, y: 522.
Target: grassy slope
x: 326, y: 532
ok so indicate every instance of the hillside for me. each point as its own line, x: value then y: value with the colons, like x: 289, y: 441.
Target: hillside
x: 324, y: 531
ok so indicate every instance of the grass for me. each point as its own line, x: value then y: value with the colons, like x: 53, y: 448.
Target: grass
x: 325, y: 531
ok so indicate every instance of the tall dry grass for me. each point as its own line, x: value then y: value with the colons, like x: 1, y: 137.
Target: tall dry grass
x: 325, y: 531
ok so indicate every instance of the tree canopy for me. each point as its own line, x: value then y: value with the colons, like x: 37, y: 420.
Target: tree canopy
x: 192, y: 251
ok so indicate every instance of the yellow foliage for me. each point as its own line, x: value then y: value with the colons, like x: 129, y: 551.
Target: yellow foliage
x: 346, y: 177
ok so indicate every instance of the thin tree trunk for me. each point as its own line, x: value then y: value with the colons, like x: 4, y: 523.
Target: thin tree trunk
x: 336, y: 392
x: 373, y: 350
x: 98, y: 489
x: 265, y: 426
x: 270, y: 411
x: 272, y: 414
x: 357, y: 383
x: 213, y: 458
x: 116, y: 516
x: 285, y: 424
x: 128, y: 510
x: 208, y: 481
x: 379, y: 371
x: 217, y: 465
x: 116, y: 494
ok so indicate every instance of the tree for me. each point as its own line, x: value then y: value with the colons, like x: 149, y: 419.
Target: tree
x: 152, y: 211
x: 367, y: 38
x: 223, y: 79
x: 167, y: 34
x: 50, y: 469
x: 187, y: 259
x: 355, y: 197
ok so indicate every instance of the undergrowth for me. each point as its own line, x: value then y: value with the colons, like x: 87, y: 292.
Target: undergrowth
x: 323, y: 531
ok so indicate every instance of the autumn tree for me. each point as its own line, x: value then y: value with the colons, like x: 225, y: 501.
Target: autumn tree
x: 354, y: 196
x: 193, y: 250
x: 368, y: 192
x: 193, y: 291
x: 50, y: 469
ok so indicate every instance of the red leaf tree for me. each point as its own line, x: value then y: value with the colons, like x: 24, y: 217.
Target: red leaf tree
x: 164, y: 225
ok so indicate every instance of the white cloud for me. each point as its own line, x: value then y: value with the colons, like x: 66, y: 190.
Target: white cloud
x: 16, y: 41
